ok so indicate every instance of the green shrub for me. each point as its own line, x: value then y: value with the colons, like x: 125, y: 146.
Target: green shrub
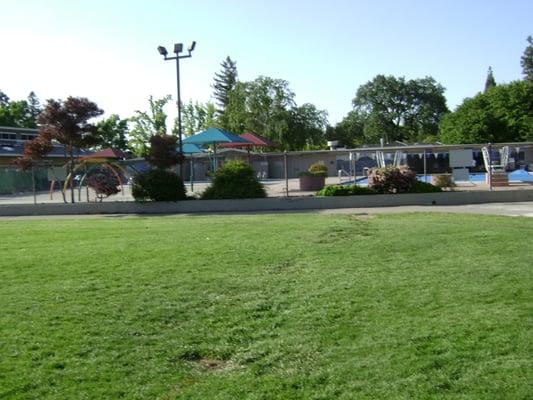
x: 158, y: 185
x: 423, y: 187
x: 318, y: 169
x: 391, y: 179
x: 345, y: 190
x: 234, y: 180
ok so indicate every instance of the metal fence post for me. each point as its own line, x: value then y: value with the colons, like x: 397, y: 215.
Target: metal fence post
x: 286, y: 174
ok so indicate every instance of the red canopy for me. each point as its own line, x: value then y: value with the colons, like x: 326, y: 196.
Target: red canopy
x: 254, y: 140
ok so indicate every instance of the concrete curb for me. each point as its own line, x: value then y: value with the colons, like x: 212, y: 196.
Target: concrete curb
x: 270, y: 204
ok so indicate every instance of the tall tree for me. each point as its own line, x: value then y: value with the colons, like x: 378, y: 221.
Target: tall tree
x: 4, y: 99
x: 148, y: 124
x: 262, y: 106
x: 236, y: 114
x: 503, y: 114
x: 400, y: 110
x: 112, y: 132
x: 163, y: 153
x: 527, y: 60
x: 34, y: 107
x: 67, y: 122
x: 307, y: 127
x: 266, y: 106
x: 350, y: 131
x: 490, y: 82
x: 34, y: 150
x: 16, y: 114
x: 224, y: 83
x: 20, y: 113
x: 198, y: 117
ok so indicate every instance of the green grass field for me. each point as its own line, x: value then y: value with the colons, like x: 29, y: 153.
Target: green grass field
x: 289, y: 306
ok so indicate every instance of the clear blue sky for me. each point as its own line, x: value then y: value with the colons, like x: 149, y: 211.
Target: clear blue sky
x: 106, y: 50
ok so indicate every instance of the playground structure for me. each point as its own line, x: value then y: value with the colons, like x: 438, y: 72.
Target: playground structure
x: 85, y: 166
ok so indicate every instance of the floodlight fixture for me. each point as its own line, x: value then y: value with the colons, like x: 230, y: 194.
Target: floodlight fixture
x: 192, y: 46
x: 162, y: 51
x: 178, y: 48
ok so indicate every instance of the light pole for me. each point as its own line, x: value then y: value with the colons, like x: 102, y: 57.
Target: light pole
x: 178, y: 48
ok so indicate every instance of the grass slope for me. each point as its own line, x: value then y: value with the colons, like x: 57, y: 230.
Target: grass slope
x: 266, y: 307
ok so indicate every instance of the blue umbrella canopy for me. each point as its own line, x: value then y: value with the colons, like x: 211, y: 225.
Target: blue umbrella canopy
x: 191, y: 148
x: 212, y: 136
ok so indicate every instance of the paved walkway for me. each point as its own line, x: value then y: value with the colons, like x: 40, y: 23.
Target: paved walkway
x: 524, y: 209
x: 509, y: 209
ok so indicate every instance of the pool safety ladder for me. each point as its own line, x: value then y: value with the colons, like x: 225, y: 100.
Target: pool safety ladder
x: 398, y: 159
x: 380, y: 159
x: 504, y: 159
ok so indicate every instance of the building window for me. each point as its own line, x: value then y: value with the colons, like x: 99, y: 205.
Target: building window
x: 28, y: 137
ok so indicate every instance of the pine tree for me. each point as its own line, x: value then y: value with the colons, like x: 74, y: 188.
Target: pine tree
x: 527, y: 61
x: 225, y: 82
x: 34, y: 107
x: 490, y: 82
x: 4, y: 99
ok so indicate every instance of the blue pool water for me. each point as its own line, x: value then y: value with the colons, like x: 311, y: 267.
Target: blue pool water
x: 516, y: 176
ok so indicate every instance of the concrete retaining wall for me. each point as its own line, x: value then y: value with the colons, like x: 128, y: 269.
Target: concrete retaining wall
x: 269, y: 204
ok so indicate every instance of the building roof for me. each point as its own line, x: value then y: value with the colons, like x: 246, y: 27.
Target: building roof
x: 16, y: 149
x: 409, y: 148
x: 109, y: 153
x: 10, y: 129
x: 253, y: 140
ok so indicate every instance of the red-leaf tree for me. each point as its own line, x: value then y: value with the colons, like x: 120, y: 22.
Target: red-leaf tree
x: 162, y: 152
x: 34, y: 150
x: 67, y: 122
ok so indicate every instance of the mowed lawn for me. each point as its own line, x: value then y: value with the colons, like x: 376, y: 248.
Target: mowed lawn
x: 287, y: 306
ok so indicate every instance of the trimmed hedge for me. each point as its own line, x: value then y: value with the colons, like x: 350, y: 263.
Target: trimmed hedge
x: 423, y: 187
x: 158, y: 185
x: 234, y: 180
x: 345, y: 190
x: 354, y: 190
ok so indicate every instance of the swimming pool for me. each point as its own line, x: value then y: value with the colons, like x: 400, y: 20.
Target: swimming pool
x: 517, y: 176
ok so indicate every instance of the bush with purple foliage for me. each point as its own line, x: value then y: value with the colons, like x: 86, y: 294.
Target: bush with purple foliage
x: 104, y: 183
x: 391, y: 179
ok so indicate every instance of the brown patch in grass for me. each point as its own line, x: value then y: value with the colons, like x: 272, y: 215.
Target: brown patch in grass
x: 212, y: 364
x: 361, y: 217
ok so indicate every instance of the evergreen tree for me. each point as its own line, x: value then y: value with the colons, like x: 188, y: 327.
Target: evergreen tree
x: 34, y: 107
x: 527, y: 61
x: 4, y: 99
x: 225, y: 82
x: 490, y: 82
